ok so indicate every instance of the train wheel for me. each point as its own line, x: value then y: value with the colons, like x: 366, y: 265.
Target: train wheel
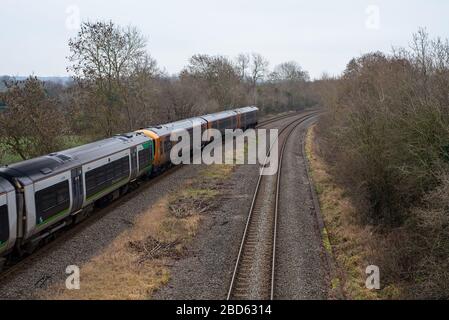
x: 29, y: 248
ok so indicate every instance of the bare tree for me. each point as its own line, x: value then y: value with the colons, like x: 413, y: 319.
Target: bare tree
x: 183, y: 98
x: 103, y: 50
x: 31, y: 123
x: 289, y: 71
x: 259, y: 69
x: 104, y: 57
x: 217, y: 75
x: 141, y: 93
x: 242, y: 63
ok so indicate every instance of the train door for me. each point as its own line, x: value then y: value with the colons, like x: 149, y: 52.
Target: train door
x: 4, y: 222
x: 166, y: 146
x: 77, y: 189
x: 134, y: 168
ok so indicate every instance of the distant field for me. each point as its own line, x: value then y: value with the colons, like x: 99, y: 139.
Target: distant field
x: 7, y: 158
x: 69, y: 141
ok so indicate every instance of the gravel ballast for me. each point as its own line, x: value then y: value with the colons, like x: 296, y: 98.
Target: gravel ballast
x: 301, y: 266
x: 207, y: 271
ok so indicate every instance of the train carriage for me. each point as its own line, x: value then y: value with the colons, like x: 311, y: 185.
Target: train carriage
x: 222, y: 120
x: 52, y: 188
x: 247, y: 117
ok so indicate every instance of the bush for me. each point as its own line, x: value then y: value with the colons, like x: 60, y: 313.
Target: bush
x: 387, y: 136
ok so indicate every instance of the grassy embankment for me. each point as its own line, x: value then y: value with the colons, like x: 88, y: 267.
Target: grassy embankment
x: 350, y: 242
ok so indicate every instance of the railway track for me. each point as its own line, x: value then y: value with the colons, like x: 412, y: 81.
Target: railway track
x: 14, y: 266
x: 275, y: 119
x: 253, y: 276
x: 281, y: 117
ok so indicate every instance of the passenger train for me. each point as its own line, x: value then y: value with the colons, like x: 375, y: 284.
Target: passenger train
x: 43, y: 195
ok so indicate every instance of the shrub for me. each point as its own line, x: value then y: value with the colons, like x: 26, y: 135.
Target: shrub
x: 387, y: 136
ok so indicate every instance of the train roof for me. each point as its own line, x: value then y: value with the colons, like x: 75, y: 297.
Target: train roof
x: 98, y: 149
x: 168, y: 128
x: 219, y: 115
x: 246, y: 109
x: 5, y: 186
x: 54, y: 163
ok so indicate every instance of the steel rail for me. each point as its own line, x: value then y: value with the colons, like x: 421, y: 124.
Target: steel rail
x: 280, y: 117
x: 295, y: 122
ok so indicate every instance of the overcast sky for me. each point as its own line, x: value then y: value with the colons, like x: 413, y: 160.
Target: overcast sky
x: 320, y: 35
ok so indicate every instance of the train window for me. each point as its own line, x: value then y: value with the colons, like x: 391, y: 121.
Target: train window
x: 52, y: 201
x: 144, y: 158
x: 101, y: 178
x: 4, y: 225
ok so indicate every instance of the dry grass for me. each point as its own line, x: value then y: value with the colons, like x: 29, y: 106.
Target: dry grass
x: 137, y: 262
x: 351, y: 243
x: 122, y: 271
x: 219, y: 171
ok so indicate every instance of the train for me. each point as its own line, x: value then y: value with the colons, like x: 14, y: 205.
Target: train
x: 44, y: 195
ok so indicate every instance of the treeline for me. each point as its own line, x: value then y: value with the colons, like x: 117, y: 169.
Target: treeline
x: 387, y: 137
x: 119, y: 87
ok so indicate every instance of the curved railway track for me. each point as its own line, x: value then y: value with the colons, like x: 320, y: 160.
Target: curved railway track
x: 275, y: 119
x: 281, y: 117
x: 253, y: 276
